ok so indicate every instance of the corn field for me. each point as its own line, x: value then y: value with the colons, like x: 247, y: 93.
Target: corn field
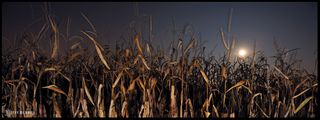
x: 137, y: 80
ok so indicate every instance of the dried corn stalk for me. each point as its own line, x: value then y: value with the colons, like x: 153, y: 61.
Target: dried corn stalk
x: 173, y: 104
x: 100, y: 103
x: 112, y: 110
x: 124, y: 110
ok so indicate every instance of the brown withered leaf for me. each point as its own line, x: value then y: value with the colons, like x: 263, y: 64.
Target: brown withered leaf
x: 153, y: 83
x: 87, y: 90
x: 141, y: 84
x: 207, y: 114
x: 117, y: 80
x: 236, y: 85
x: 132, y: 84
x: 215, y: 110
x: 98, y: 49
x: 224, y: 72
x: 75, y: 45
x: 55, y: 89
x: 144, y: 62
x: 123, y: 89
x: 190, y: 45
x: 56, y: 38
x: 137, y: 42
x: 204, y: 75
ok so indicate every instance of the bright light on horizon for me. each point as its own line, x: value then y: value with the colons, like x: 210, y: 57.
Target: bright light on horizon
x: 242, y: 53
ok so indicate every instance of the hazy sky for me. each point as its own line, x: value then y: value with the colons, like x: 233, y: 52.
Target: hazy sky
x: 293, y: 25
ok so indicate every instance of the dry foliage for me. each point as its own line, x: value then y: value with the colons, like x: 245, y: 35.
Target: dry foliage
x: 128, y: 83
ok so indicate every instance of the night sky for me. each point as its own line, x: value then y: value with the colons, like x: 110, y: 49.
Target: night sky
x: 293, y: 25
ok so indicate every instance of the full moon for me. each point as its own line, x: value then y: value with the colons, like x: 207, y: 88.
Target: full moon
x: 242, y: 53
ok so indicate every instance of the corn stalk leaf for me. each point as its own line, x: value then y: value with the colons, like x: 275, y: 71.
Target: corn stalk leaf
x: 141, y: 84
x: 50, y: 69
x: 55, y: 89
x: 223, y: 39
x: 144, y: 62
x: 224, y: 72
x: 117, y: 80
x: 300, y: 93
x: 137, y: 42
x: 205, y: 77
x: 286, y: 77
x: 236, y: 85
x: 87, y: 91
x: 302, y: 104
x: 215, y: 110
x: 56, y: 38
x: 190, y: 45
x: 91, y: 25
x: 98, y: 49
x: 131, y: 86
